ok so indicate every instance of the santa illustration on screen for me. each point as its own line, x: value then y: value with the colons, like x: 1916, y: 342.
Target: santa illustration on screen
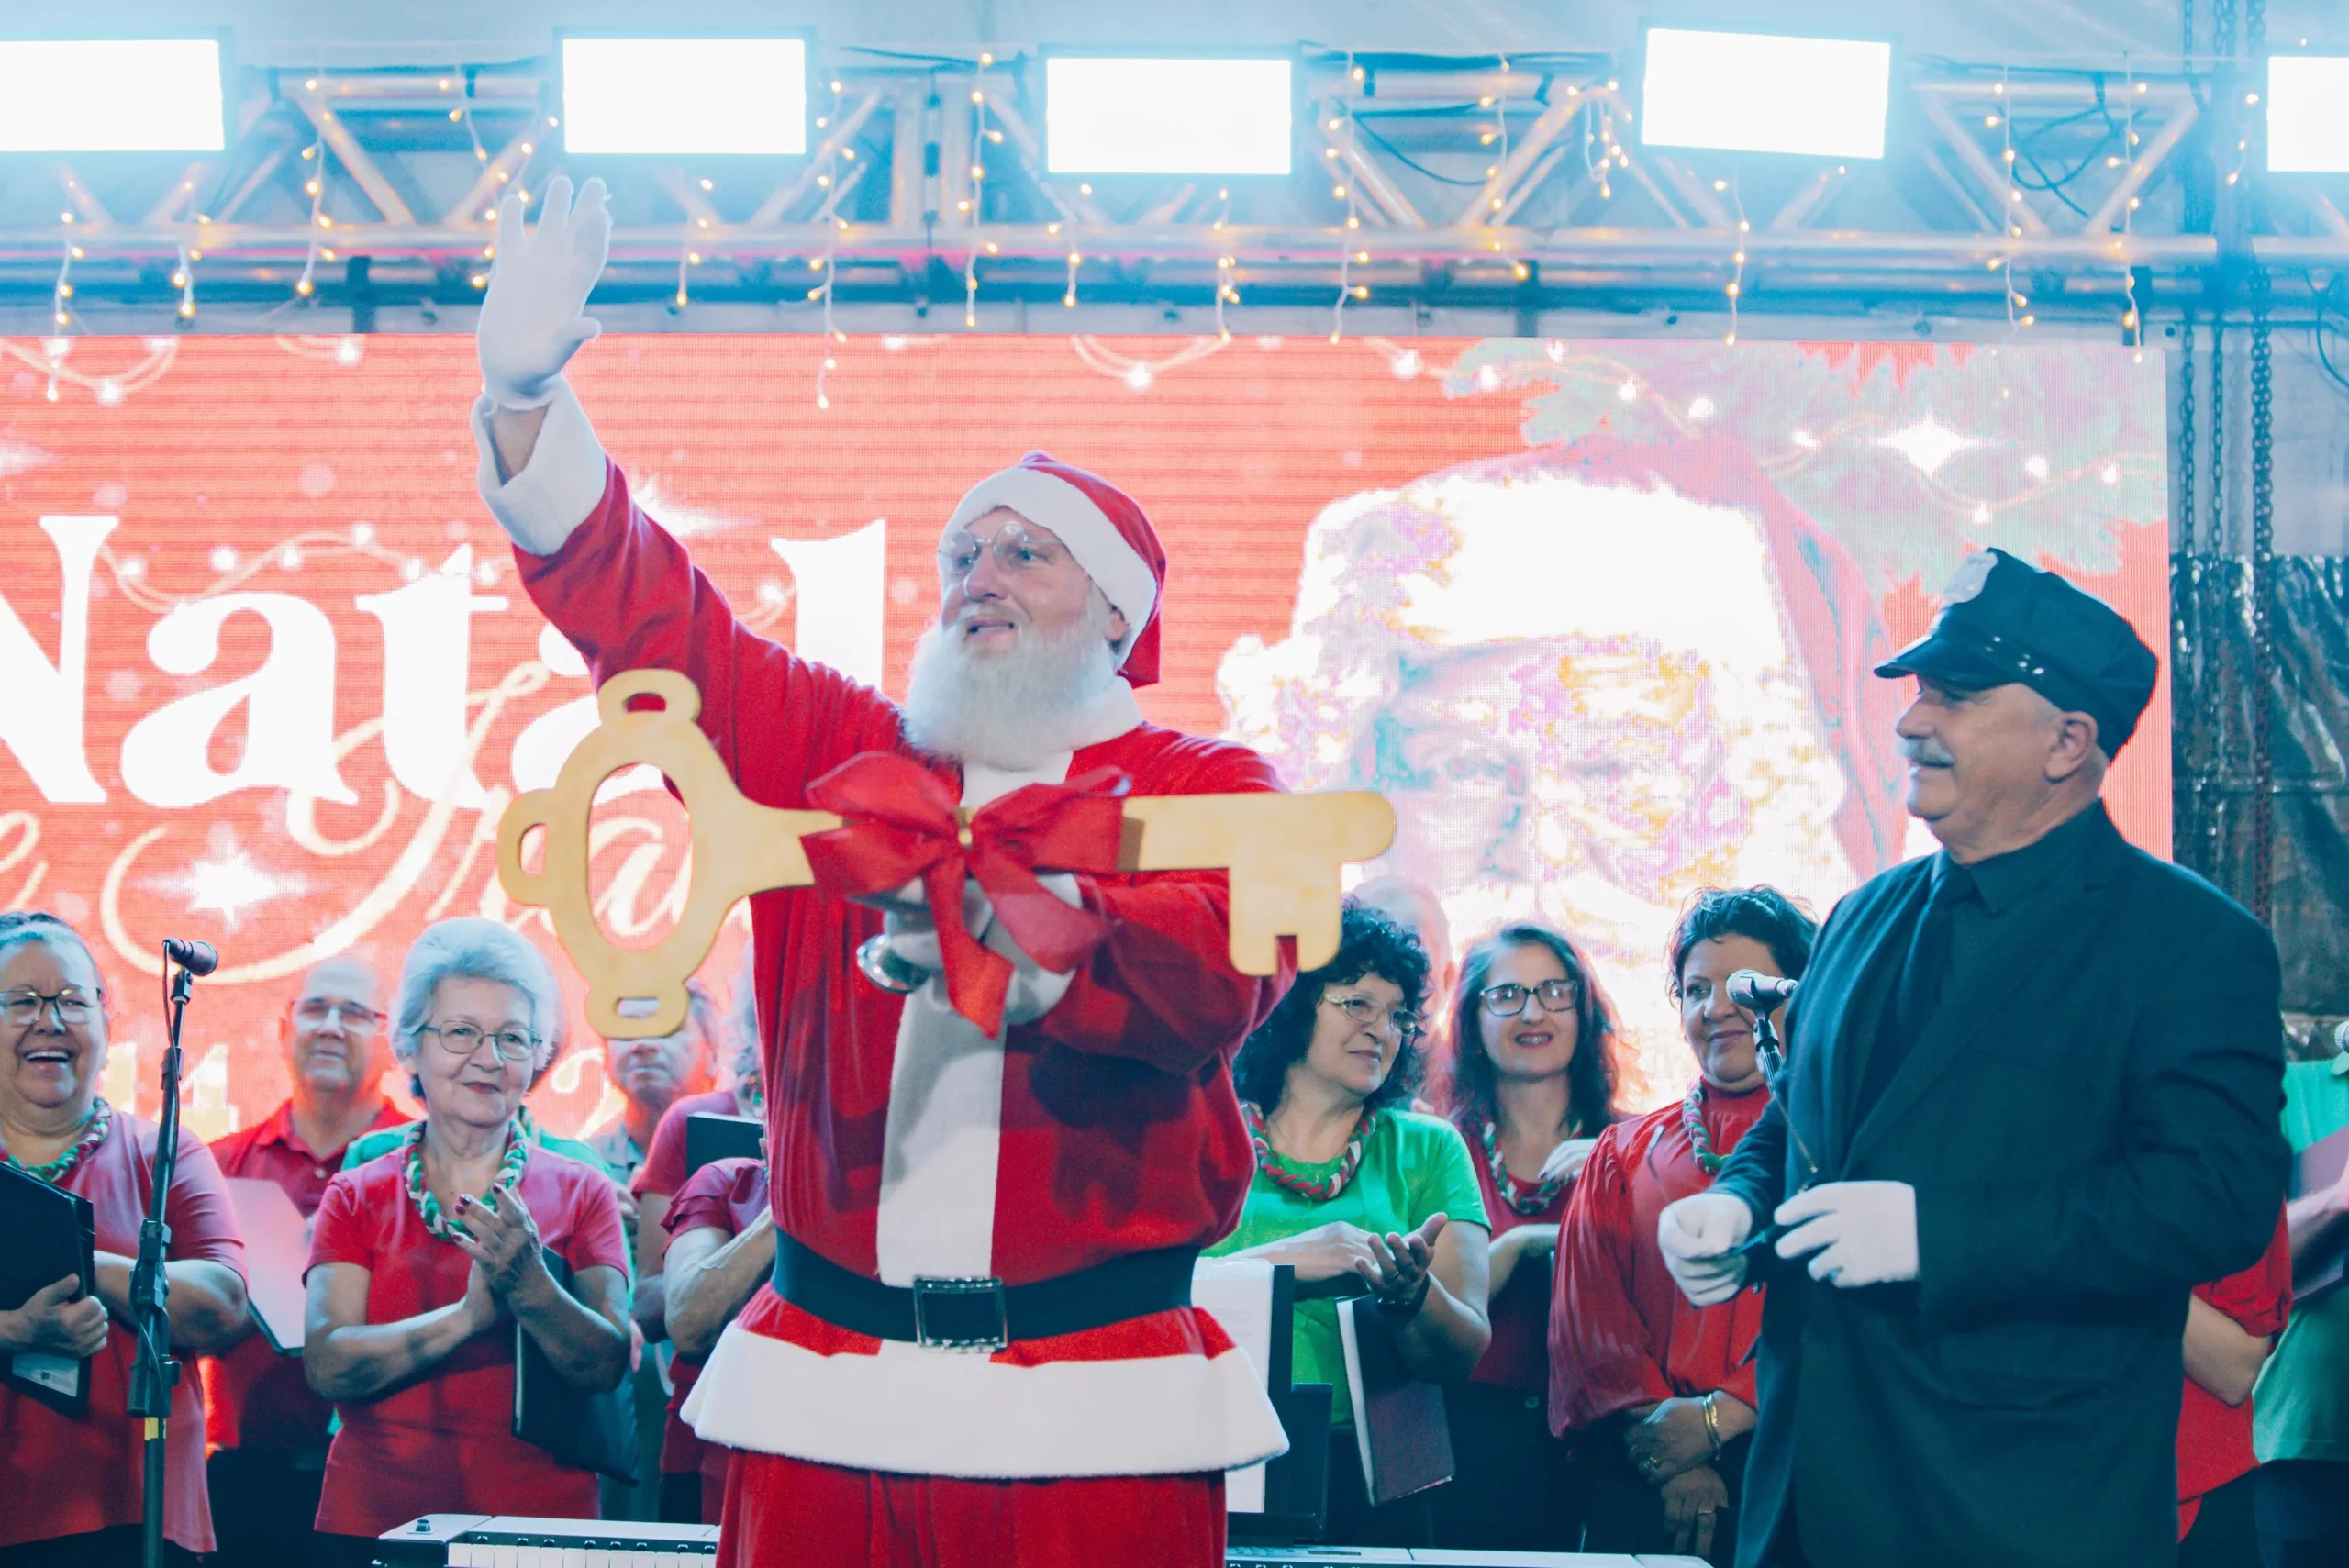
x: 991, y: 1163
x: 1588, y: 693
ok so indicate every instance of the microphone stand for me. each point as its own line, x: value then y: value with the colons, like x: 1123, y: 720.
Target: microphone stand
x: 156, y: 1374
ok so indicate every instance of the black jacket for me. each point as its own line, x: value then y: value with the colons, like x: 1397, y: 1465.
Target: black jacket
x: 2089, y: 1121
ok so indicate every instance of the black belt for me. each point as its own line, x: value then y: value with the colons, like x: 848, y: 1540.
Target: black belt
x: 981, y: 1313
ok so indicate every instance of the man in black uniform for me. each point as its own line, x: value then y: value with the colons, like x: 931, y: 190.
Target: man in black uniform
x: 2031, y: 1101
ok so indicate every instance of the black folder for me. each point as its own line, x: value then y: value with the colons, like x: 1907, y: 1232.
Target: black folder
x: 2317, y: 1167
x: 579, y: 1427
x: 1400, y: 1432
x: 710, y: 1136
x: 52, y: 1233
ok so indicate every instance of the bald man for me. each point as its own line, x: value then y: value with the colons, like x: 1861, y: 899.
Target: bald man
x: 268, y: 1430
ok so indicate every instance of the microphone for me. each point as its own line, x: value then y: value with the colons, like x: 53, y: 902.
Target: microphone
x: 200, y: 959
x: 1757, y: 993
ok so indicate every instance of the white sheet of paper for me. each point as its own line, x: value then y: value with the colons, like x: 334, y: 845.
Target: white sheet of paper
x: 277, y: 1245
x: 55, y: 1373
x: 1238, y: 1293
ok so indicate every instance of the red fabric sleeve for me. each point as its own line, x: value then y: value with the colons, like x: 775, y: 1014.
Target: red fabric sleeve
x: 1600, y: 1359
x: 598, y: 1238
x: 203, y: 1220
x: 1160, y: 987
x: 628, y: 597
x: 706, y: 1201
x: 2259, y: 1298
x: 340, y: 1232
x: 662, y: 1174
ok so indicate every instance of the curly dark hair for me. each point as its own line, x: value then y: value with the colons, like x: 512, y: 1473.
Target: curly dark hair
x: 1760, y: 914
x: 1369, y: 943
x: 1470, y: 1097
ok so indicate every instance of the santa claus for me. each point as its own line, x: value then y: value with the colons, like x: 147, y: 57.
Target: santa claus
x: 977, y: 1345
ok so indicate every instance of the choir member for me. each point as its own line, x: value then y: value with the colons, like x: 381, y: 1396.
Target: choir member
x: 424, y: 1259
x: 653, y: 1074
x: 2300, y: 1410
x: 721, y: 1248
x: 268, y: 1430
x: 1659, y: 1394
x: 683, y: 1460
x: 1360, y: 1193
x: 1531, y: 1086
x: 70, y: 1486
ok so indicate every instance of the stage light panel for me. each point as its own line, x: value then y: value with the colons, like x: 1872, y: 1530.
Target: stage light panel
x: 1152, y: 116
x: 1764, y: 93
x: 676, y: 96
x: 111, y: 95
x: 2308, y: 114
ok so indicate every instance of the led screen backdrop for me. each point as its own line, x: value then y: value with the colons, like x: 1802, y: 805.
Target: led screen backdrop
x: 1597, y: 617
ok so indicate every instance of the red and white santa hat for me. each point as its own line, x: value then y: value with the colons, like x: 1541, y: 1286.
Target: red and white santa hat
x: 1105, y: 529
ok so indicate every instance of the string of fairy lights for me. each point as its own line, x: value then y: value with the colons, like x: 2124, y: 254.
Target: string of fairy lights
x: 1602, y: 118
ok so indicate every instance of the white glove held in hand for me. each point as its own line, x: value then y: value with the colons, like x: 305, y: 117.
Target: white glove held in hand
x: 530, y: 320
x: 912, y: 940
x: 1858, y: 1232
x: 1696, y: 1235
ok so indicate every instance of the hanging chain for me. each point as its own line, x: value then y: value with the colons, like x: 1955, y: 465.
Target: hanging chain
x: 2223, y: 30
x: 2219, y: 542
x: 2262, y: 601
x: 2187, y: 666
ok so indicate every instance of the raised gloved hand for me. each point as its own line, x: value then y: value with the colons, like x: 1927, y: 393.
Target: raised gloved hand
x: 1696, y: 1235
x: 531, y: 321
x: 1856, y: 1233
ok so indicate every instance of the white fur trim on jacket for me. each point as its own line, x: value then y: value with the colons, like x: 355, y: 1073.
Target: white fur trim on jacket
x: 1123, y: 577
x: 926, y: 1412
x: 565, y: 479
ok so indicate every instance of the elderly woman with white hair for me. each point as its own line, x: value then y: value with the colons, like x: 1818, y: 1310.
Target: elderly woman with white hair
x: 423, y: 1258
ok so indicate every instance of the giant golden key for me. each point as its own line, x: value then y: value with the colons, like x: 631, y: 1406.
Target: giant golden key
x: 1285, y: 854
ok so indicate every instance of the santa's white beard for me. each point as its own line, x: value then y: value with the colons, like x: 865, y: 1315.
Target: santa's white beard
x: 1010, y: 710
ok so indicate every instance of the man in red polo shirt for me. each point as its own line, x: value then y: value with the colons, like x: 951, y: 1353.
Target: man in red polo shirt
x: 267, y: 1429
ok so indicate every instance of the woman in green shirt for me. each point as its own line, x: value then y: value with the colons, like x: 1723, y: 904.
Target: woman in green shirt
x: 1359, y: 1194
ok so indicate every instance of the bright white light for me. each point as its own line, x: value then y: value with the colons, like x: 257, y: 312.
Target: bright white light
x: 111, y: 95
x: 1166, y: 117
x: 1760, y: 93
x: 2308, y: 114
x: 1927, y: 444
x: 685, y: 96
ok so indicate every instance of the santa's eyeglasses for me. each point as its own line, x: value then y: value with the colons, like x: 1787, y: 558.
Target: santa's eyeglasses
x: 1015, y: 550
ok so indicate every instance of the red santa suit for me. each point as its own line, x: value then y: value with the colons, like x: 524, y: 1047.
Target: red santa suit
x: 905, y: 1143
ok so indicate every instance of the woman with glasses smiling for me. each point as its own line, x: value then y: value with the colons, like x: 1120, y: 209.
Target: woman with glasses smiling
x: 1359, y: 1193
x: 71, y: 1485
x: 424, y: 1258
x: 1532, y: 1086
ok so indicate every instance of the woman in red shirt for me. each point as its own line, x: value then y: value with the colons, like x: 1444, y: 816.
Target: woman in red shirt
x: 1659, y: 1394
x: 1531, y: 1086
x: 420, y: 1256
x: 721, y: 1248
x: 70, y: 1486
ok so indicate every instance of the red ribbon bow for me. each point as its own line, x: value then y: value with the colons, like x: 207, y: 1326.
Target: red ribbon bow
x: 902, y: 823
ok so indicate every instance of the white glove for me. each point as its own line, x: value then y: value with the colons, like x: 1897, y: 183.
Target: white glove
x: 1858, y: 1232
x: 912, y: 940
x: 530, y: 320
x: 1696, y: 1234
x: 913, y: 933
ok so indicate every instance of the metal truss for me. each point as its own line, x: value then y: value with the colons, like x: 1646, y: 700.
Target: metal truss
x: 1517, y: 183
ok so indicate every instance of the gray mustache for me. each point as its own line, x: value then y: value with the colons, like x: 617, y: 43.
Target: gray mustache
x: 1926, y: 752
